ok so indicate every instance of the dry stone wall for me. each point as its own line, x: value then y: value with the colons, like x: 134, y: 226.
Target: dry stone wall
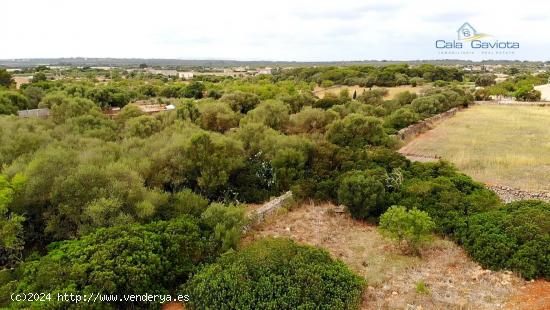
x: 412, y: 131
x: 268, y: 208
x: 509, y: 194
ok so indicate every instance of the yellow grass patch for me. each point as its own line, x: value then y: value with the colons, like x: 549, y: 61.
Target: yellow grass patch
x: 392, y: 91
x: 504, y: 145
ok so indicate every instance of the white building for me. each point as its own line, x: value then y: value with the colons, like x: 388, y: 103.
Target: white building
x: 186, y: 75
x: 162, y: 72
x: 264, y: 71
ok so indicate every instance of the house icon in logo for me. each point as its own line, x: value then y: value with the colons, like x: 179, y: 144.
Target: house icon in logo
x: 466, y: 32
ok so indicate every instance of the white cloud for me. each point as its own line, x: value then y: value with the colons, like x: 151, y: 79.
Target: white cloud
x: 274, y: 30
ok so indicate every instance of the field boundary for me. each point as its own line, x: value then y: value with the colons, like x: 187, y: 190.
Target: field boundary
x: 516, y: 103
x: 509, y: 194
x: 412, y: 131
x: 270, y: 207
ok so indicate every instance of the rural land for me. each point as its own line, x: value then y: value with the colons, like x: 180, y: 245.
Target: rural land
x: 173, y: 184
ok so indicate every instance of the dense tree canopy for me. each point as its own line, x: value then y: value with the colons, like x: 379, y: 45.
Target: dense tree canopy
x: 79, y: 187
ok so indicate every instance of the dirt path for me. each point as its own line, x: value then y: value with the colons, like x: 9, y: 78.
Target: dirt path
x: 452, y: 280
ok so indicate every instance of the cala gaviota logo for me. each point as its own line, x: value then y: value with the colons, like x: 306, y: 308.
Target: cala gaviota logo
x: 468, y: 33
x: 469, y: 37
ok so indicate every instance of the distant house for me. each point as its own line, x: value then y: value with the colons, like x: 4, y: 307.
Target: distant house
x: 186, y: 75
x: 264, y: 71
x: 162, y: 72
x: 38, y: 113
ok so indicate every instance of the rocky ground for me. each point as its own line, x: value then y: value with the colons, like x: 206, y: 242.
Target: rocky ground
x: 443, y: 278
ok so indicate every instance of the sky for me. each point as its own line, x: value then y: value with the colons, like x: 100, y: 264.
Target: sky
x: 293, y: 30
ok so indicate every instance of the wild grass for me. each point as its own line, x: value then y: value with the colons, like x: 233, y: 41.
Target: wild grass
x: 504, y: 145
x: 392, y: 91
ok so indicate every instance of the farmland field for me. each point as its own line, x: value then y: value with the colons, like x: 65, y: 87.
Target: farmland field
x: 392, y: 91
x: 504, y: 145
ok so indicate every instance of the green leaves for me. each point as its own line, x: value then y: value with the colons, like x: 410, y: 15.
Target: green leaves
x: 412, y: 226
x: 515, y: 236
x: 275, y: 274
x: 363, y: 193
x: 357, y: 131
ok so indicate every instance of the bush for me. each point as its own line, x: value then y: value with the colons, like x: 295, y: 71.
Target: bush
x: 515, y: 236
x: 447, y: 196
x: 188, y: 110
x: 272, y: 113
x: 275, y: 274
x: 401, y: 118
x: 142, y: 126
x: 412, y: 226
x: 217, y: 116
x: 356, y: 130
x: 186, y: 202
x: 362, y: 193
x: 226, y: 222
x: 132, y: 259
x: 241, y: 102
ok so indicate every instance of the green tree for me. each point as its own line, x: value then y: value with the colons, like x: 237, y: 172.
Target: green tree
x: 34, y: 95
x: 362, y: 193
x: 241, y: 102
x: 226, y: 223
x: 11, y: 224
x: 6, y: 79
x: 412, y: 226
x: 217, y: 116
x: 188, y: 110
x: 357, y: 131
x: 194, y: 90
x: 272, y: 113
x: 401, y: 118
x: 39, y: 77
x: 485, y: 80
x: 203, y: 162
x: 142, y: 126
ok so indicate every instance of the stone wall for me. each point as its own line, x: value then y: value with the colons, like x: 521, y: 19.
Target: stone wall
x: 268, y: 208
x: 412, y: 131
x: 515, y: 103
x: 509, y: 194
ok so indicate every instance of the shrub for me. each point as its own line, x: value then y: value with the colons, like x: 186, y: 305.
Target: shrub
x: 412, y: 226
x: 241, y: 102
x: 272, y: 113
x: 447, y: 196
x: 426, y: 106
x: 226, y: 222
x: 142, y: 126
x: 401, y: 118
x: 356, y: 130
x: 131, y: 259
x: 275, y: 274
x: 362, y: 193
x: 186, y: 202
x: 422, y: 288
x: 188, y: 111
x: 515, y: 236
x: 310, y: 120
x: 217, y: 116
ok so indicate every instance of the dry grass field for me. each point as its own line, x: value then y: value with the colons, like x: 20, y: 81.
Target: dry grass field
x: 392, y: 91
x: 503, y: 145
x: 451, y: 279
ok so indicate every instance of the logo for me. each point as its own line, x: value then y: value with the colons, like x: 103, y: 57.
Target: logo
x: 468, y: 33
x: 470, y: 41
